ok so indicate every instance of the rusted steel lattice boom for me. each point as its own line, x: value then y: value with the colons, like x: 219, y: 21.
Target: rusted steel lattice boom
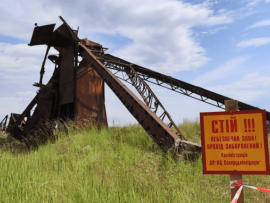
x: 158, y: 130
x: 195, y: 92
x: 148, y: 96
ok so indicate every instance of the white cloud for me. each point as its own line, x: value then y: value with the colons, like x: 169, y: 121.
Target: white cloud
x: 254, y: 42
x: 171, y: 56
x: 251, y: 87
x: 165, y: 43
x: 232, y: 66
x: 223, y: 10
x: 260, y: 24
x: 214, y: 31
x: 253, y: 3
x: 19, y: 21
x: 160, y: 30
x: 267, y: 1
x: 20, y: 59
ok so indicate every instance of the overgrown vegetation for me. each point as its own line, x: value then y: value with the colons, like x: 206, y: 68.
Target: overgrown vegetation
x: 118, y: 164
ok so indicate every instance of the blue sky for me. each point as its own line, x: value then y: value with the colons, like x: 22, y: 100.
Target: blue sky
x: 222, y: 46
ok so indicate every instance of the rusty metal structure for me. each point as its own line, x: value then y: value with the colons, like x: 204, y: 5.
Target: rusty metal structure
x: 76, y: 89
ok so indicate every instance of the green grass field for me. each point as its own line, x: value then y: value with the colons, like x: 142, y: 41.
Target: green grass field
x: 118, y: 164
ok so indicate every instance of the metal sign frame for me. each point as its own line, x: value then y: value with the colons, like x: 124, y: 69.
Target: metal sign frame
x: 204, y: 148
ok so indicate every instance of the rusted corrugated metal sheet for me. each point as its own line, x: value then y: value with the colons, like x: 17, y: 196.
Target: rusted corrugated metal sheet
x: 45, y: 35
x: 41, y: 35
x: 90, y: 93
x: 66, y: 82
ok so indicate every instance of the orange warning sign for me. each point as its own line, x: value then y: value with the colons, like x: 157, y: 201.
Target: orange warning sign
x: 234, y: 142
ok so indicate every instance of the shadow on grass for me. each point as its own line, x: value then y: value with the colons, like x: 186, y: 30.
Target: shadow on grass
x: 8, y: 143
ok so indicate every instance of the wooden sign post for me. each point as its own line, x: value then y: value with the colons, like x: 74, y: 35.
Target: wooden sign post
x: 232, y: 105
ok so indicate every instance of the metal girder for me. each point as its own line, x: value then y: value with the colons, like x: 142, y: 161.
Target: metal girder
x: 153, y: 125
x: 27, y: 111
x: 195, y: 92
x: 3, y: 123
x: 149, y: 98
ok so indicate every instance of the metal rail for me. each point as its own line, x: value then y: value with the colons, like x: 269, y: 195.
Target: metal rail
x: 195, y: 92
x: 152, y: 124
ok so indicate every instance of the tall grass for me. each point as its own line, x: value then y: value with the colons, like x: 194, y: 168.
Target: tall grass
x: 191, y: 130
x: 118, y: 164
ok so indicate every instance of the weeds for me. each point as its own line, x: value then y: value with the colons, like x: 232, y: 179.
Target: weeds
x: 116, y: 164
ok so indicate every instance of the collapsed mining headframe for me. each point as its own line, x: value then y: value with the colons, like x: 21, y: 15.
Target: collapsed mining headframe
x: 76, y: 90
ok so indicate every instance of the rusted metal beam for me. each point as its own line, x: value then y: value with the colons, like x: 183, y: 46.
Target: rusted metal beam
x: 150, y: 98
x: 26, y: 111
x: 71, y: 31
x: 42, y: 70
x: 90, y: 43
x: 195, y: 92
x: 153, y: 125
x: 3, y: 123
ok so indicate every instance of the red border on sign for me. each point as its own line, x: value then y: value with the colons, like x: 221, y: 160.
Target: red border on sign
x: 263, y: 113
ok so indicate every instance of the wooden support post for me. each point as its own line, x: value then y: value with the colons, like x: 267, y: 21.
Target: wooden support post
x: 232, y: 105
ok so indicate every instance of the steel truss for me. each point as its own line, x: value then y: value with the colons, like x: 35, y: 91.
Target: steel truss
x: 136, y: 80
x: 153, y: 125
x: 195, y: 92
